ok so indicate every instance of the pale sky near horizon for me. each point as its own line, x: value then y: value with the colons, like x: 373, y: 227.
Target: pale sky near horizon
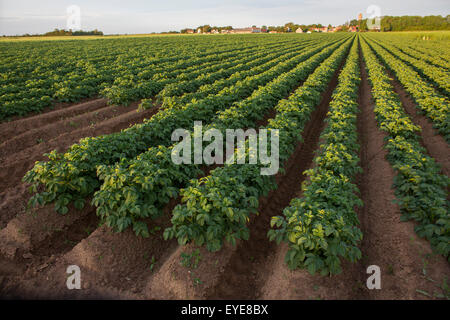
x: 140, y: 16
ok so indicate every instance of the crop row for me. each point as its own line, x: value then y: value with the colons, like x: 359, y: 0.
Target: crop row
x: 150, y: 80
x: 40, y: 74
x: 321, y: 226
x: 434, y: 105
x: 140, y: 188
x: 72, y: 175
x: 420, y: 188
x: 216, y: 208
x: 183, y: 92
x: 435, y: 74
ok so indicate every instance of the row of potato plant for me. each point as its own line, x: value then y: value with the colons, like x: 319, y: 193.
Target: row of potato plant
x: 420, y: 188
x: 40, y: 74
x: 321, y: 226
x: 71, y: 176
x: 434, y: 105
x: 217, y: 208
x: 137, y: 189
x: 436, y: 75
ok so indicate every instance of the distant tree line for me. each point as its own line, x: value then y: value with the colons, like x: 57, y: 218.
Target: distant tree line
x: 388, y: 23
x: 408, y: 23
x: 207, y: 28
x: 292, y: 27
x: 63, y: 32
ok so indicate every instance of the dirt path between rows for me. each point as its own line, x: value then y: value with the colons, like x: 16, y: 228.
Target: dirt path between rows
x: 14, y: 167
x: 251, y: 264
x: 435, y: 144
x: 15, y: 127
x: 388, y: 242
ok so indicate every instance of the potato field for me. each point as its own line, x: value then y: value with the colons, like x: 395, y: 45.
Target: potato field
x: 87, y: 176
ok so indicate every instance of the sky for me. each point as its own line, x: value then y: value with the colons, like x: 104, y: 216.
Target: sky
x: 140, y: 16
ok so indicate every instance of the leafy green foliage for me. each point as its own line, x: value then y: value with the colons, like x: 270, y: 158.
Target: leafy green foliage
x: 420, y: 188
x: 72, y: 175
x: 217, y: 208
x: 429, y: 101
x: 321, y: 227
x: 153, y: 179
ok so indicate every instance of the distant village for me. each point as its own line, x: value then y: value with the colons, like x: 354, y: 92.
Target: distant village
x: 201, y: 30
x: 355, y: 25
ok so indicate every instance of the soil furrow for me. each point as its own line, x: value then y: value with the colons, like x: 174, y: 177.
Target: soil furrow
x: 388, y: 242
x: 48, y: 132
x: 250, y: 265
x: 13, y: 128
x: 433, y: 142
x: 14, y: 167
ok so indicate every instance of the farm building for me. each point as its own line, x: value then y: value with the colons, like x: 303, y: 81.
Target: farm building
x: 336, y: 29
x: 246, y: 30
